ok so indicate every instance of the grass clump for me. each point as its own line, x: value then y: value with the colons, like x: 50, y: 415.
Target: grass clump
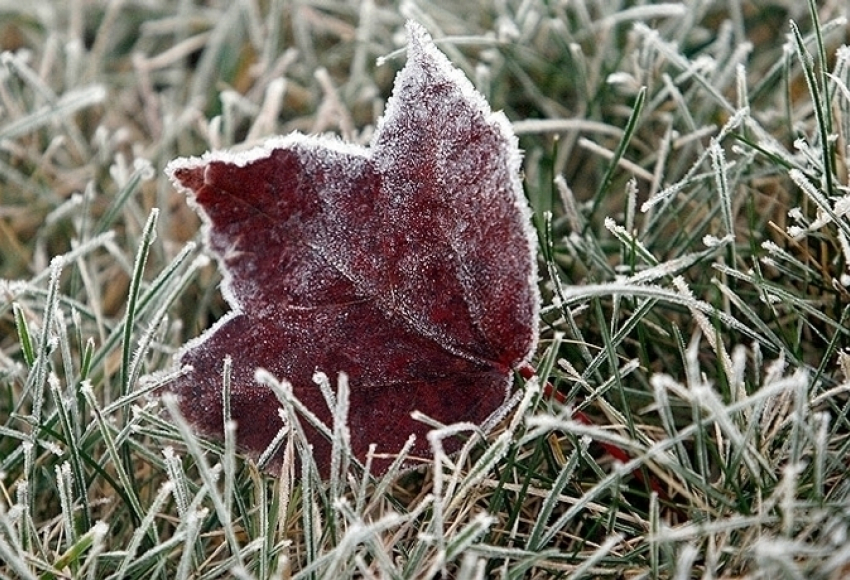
x: 687, y: 167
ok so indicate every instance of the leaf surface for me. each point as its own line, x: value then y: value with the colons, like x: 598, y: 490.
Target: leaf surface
x: 408, y: 265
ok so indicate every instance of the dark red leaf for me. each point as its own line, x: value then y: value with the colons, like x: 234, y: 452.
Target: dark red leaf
x: 409, y: 265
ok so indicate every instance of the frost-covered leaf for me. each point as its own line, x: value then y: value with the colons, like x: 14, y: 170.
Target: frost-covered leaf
x: 409, y: 265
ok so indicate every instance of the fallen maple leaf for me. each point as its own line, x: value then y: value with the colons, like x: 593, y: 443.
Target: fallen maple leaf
x: 409, y: 266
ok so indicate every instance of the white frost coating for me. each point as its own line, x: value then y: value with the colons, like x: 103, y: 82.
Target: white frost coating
x: 710, y: 241
x: 144, y: 168
x: 845, y: 249
x: 244, y: 157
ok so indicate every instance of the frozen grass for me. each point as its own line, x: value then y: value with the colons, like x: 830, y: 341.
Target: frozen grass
x: 687, y: 165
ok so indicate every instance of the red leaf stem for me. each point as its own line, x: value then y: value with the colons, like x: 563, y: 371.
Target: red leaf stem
x: 527, y: 371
